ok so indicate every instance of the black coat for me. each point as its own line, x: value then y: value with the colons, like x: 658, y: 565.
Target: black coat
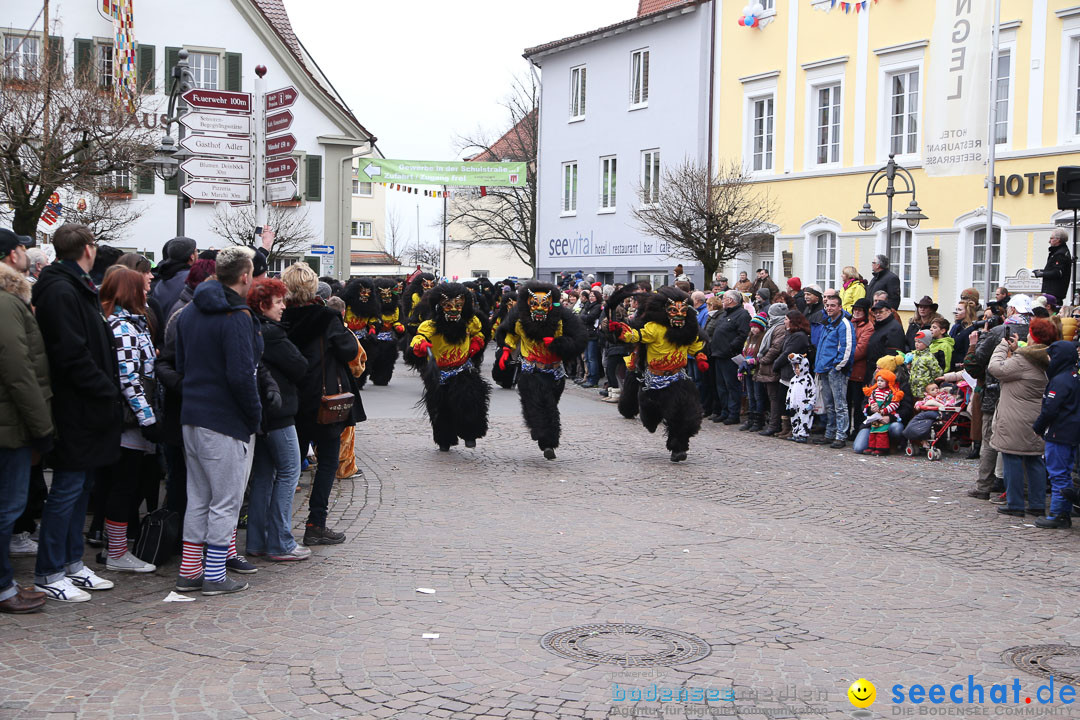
x: 887, y: 338
x: 1057, y: 273
x: 288, y: 366
x: 590, y: 313
x: 86, y: 404
x: 320, y: 335
x: 729, y: 333
x: 797, y: 342
x: 888, y: 281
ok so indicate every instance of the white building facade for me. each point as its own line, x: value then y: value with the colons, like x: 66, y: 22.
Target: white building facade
x: 618, y: 105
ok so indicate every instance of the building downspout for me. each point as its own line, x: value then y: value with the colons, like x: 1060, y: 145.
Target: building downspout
x: 712, y: 89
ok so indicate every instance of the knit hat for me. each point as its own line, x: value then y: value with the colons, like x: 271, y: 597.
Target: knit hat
x: 324, y: 291
x: 923, y: 336
x: 777, y: 310
x: 863, y: 304
x: 971, y: 294
x: 180, y: 248
x: 795, y: 284
x: 813, y: 290
x: 765, y: 294
x: 761, y: 320
x: 890, y: 362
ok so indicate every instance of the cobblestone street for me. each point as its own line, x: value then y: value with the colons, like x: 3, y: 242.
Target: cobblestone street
x: 801, y: 568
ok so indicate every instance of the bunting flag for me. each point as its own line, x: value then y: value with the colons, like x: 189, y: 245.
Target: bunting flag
x: 125, y: 72
x: 858, y: 6
x: 438, y: 194
x: 53, y: 210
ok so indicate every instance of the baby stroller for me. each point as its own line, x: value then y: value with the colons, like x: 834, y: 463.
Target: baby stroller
x: 952, y: 429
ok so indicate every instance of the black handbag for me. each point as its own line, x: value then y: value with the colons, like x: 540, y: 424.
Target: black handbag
x: 159, y: 536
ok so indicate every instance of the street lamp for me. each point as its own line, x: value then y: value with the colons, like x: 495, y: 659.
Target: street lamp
x: 913, y: 215
x: 167, y: 156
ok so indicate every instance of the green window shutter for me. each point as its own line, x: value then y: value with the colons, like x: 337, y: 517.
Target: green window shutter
x: 233, y: 71
x: 146, y: 182
x: 84, y: 58
x: 56, y: 55
x: 146, y: 59
x: 172, y: 56
x: 172, y: 186
x: 313, y: 177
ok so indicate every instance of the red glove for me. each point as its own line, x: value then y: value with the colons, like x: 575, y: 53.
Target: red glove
x: 702, y: 362
x: 421, y: 348
x: 371, y: 330
x: 549, y: 340
x: 503, y: 357
x: 618, y: 328
x: 399, y: 328
x: 476, y: 345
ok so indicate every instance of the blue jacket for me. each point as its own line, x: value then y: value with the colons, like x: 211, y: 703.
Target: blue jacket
x: 836, y: 346
x: 702, y: 315
x: 1059, y: 421
x: 218, y: 346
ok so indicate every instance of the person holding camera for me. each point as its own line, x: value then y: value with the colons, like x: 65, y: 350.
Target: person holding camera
x: 1057, y: 273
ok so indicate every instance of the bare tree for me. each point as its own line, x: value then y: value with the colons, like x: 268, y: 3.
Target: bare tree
x: 394, y: 238
x: 710, y: 220
x: 105, y: 216
x: 292, y: 231
x: 423, y: 254
x: 504, y: 215
x: 61, y: 131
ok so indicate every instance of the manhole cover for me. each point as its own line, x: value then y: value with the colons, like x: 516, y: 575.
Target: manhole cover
x: 1061, y: 662
x: 625, y: 645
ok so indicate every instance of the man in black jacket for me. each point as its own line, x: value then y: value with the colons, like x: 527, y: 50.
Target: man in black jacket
x: 1057, y: 275
x: 884, y: 279
x: 86, y: 410
x: 732, y: 328
x: 887, y: 338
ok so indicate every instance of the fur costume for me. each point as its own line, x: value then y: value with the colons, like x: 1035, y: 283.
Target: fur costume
x: 382, y: 348
x: 504, y: 378
x: 361, y: 312
x: 544, y: 333
x: 455, y: 395
x: 628, y: 394
x: 483, y: 313
x: 410, y: 300
x: 668, y: 334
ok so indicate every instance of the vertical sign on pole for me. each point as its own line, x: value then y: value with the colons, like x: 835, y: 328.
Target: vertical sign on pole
x: 260, y: 132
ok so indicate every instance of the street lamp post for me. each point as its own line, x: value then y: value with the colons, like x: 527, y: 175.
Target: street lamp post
x: 169, y: 154
x: 913, y: 215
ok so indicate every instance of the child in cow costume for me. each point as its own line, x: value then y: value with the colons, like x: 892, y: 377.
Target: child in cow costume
x: 544, y: 333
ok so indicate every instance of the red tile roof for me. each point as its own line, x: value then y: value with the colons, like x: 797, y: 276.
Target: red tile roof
x: 661, y: 7
x: 648, y: 7
x: 513, y: 144
x: 372, y: 257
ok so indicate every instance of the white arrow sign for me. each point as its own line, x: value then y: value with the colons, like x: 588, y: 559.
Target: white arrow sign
x: 276, y: 192
x: 372, y: 170
x: 211, y: 145
x: 217, y: 169
x: 217, y: 123
x: 218, y: 191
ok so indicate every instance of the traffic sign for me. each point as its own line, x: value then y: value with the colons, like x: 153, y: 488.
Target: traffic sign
x: 218, y: 191
x: 283, y: 98
x: 280, y: 168
x: 280, y: 144
x: 217, y: 123
x: 279, y: 121
x: 217, y: 169
x: 322, y: 249
x: 443, y: 172
x: 278, y: 191
x: 215, y: 145
x: 219, y: 100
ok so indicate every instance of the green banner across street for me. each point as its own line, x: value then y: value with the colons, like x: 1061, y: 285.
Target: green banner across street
x: 440, y: 172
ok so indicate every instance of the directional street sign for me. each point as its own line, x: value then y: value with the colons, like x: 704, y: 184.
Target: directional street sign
x: 217, y: 123
x: 218, y: 191
x: 279, y: 121
x: 280, y: 144
x: 217, y: 169
x: 280, y: 168
x: 283, y: 98
x: 443, y: 172
x: 213, y: 145
x: 219, y: 100
x: 322, y: 249
x: 278, y: 191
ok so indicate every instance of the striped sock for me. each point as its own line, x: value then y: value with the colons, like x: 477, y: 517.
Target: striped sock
x: 215, y: 563
x: 232, y: 546
x: 191, y: 561
x: 116, y: 532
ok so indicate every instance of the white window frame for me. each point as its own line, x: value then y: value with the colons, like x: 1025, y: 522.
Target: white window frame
x: 828, y: 278
x: 608, y: 196
x: 1007, y: 44
x: 905, y: 59
x: 768, y: 149
x: 358, y: 228
x: 966, y: 226
x: 811, y: 231
x: 119, y: 180
x: 358, y: 188
x: 657, y: 280
x: 579, y: 85
x: 641, y: 93
x: 755, y: 88
x: 1069, y: 83
x: 23, y: 41
x: 651, y: 171
x: 104, y: 56
x: 906, y: 300
x: 201, y: 82
x: 568, y: 192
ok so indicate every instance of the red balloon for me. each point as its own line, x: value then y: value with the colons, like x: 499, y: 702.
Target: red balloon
x: 755, y: 23
x: 740, y: 20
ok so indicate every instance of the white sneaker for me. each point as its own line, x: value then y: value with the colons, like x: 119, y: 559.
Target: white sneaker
x: 88, y: 580
x: 129, y: 563
x: 298, y: 553
x: 22, y: 545
x: 63, y: 591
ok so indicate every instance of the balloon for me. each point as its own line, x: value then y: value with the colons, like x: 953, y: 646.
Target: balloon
x: 758, y: 9
x: 755, y: 23
x: 740, y: 20
x: 746, y: 10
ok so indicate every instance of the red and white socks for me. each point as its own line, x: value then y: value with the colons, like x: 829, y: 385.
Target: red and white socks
x: 191, y: 561
x: 116, y: 534
x: 232, y: 546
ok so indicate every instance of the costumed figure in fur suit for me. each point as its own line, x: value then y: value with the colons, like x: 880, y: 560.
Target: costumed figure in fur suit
x: 504, y: 378
x: 361, y: 313
x: 455, y: 395
x: 628, y: 393
x: 410, y: 299
x: 544, y: 333
x: 669, y: 335
x: 483, y: 312
x: 383, y: 348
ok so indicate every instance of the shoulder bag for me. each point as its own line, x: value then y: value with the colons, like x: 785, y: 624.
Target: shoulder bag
x: 332, y: 408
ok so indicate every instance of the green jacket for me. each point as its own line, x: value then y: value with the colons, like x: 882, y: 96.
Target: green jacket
x: 24, y: 369
x: 924, y: 368
x: 945, y: 345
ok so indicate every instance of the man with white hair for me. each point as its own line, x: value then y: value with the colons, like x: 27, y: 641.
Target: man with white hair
x: 37, y: 260
x: 1057, y: 274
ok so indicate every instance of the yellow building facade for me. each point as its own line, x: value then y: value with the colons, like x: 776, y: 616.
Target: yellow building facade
x: 814, y: 101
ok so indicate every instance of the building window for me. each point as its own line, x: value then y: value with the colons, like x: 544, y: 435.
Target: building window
x: 577, y: 92
x: 900, y: 252
x: 118, y: 181
x: 827, y: 136
x: 480, y: 273
x: 20, y: 56
x: 768, y: 4
x: 104, y: 65
x: 657, y: 280
x: 1004, y: 86
x: 607, y: 183
x: 569, y: 189
x: 363, y: 189
x: 639, y: 77
x: 904, y: 112
x: 361, y: 229
x: 278, y: 264
x: 978, y: 257
x: 825, y: 254
x: 650, y: 177
x: 761, y: 147
x: 204, y: 68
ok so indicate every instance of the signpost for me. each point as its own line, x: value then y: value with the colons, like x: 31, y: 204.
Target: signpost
x: 280, y: 144
x: 217, y: 123
x: 278, y: 191
x: 280, y: 168
x: 217, y: 145
x: 218, y: 191
x: 283, y: 98
x: 219, y: 100
x: 279, y: 121
x: 322, y: 249
x: 441, y: 172
x: 205, y: 168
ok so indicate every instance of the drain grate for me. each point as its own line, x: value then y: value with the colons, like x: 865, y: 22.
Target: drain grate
x: 626, y: 645
x: 1062, y: 662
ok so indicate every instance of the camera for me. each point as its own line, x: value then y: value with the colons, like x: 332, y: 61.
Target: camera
x: 987, y: 324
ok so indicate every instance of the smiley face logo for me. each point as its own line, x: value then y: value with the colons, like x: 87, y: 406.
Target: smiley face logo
x: 862, y: 693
